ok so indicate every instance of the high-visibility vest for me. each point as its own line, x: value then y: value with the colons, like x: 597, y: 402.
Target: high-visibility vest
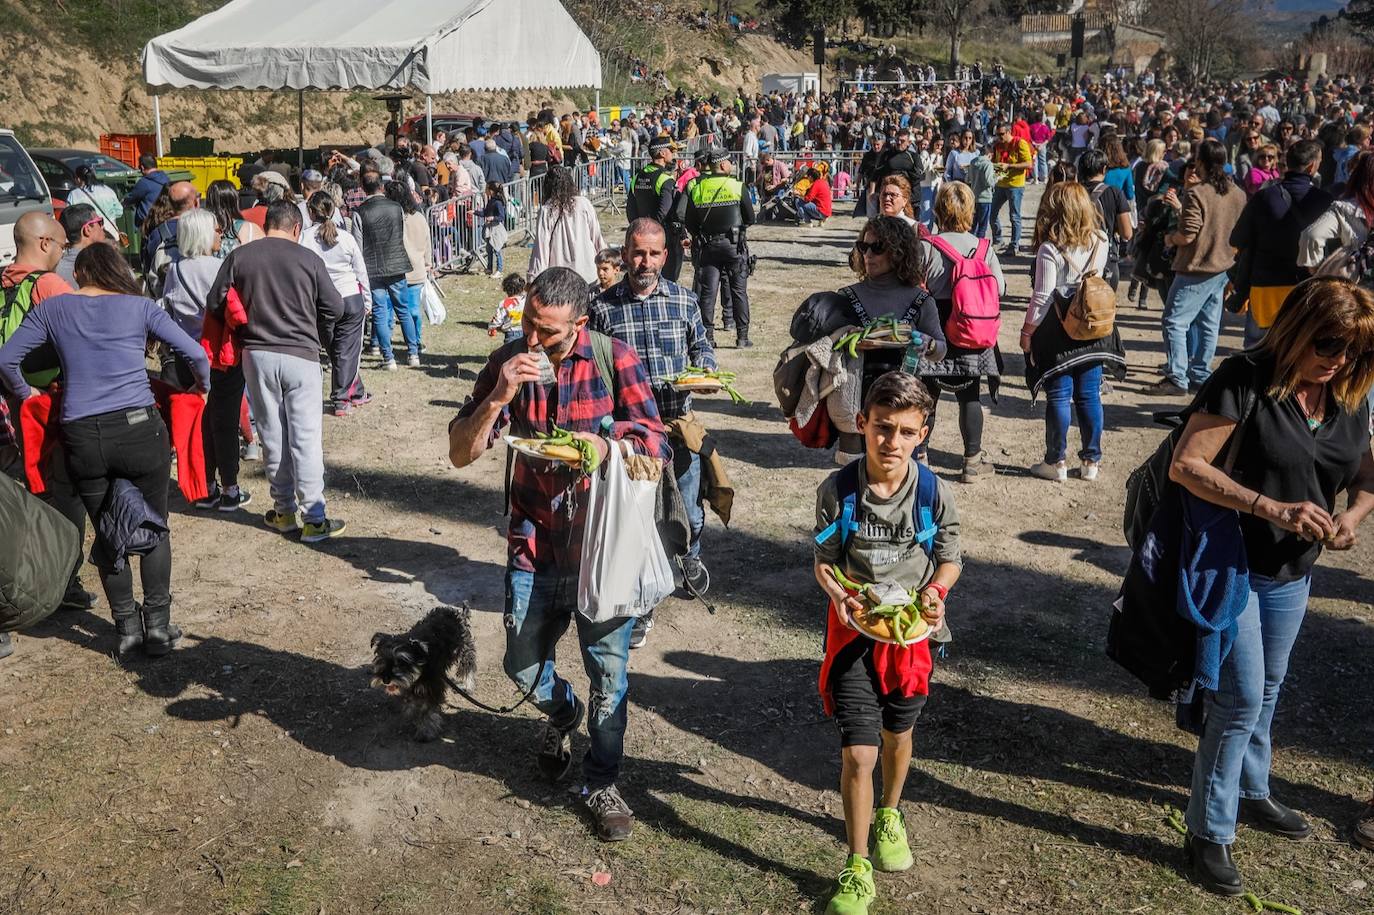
x: 715, y: 205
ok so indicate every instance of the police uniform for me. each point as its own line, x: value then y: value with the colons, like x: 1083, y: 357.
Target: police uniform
x: 715, y: 210
x: 653, y: 193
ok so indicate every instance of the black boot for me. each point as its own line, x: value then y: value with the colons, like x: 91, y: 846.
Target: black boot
x: 1271, y: 816
x: 159, y: 636
x: 1212, y: 867
x: 129, y: 628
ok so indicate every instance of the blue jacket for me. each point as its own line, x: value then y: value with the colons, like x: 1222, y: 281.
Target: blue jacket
x: 148, y: 189
x: 1213, y: 582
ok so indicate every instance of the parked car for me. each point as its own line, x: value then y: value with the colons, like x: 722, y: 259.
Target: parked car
x: 451, y: 124
x: 22, y: 190
x: 58, y: 167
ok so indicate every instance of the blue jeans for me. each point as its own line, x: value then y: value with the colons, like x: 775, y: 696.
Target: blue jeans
x: 982, y: 218
x: 1233, y: 755
x: 927, y: 214
x: 496, y: 259
x: 1192, y: 320
x: 689, y: 484
x: 1083, y: 387
x: 1253, y: 332
x: 1041, y: 172
x: 622, y: 179
x: 539, y: 607
x: 388, y: 303
x: 412, y: 319
x: 1011, y: 196
x: 811, y: 211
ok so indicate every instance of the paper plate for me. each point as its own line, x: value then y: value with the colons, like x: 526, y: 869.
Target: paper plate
x: 881, y: 344
x: 881, y: 633
x: 529, y: 447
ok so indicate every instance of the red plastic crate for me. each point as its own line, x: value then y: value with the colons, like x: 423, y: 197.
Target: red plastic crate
x: 127, y: 147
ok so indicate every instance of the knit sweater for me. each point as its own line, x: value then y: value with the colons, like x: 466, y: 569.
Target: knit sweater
x: 1205, y: 225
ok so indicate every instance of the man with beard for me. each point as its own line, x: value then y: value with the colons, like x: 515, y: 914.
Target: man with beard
x: 661, y: 322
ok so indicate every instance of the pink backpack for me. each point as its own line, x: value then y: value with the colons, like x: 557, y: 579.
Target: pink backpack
x: 976, y: 315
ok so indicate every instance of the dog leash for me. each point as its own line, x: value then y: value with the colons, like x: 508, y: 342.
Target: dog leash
x: 498, y: 711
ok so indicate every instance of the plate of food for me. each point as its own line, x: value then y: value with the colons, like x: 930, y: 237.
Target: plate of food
x: 559, y: 445
x: 889, y: 614
x: 884, y: 333
x: 695, y: 380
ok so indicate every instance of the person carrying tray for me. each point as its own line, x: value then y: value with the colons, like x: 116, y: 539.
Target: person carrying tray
x: 888, y: 521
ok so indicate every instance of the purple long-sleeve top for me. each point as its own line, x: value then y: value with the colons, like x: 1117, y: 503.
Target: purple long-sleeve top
x: 100, y: 340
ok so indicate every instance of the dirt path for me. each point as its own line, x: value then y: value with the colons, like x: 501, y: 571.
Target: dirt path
x: 255, y: 771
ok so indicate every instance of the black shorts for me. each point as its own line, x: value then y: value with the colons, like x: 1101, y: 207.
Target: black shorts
x: 859, y: 709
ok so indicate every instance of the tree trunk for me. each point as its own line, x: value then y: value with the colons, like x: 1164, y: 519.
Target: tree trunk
x: 954, y: 40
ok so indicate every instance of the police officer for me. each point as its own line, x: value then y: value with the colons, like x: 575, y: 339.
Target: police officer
x: 715, y: 211
x: 653, y: 192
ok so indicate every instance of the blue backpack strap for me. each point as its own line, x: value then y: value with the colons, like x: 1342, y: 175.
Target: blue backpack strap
x: 847, y: 489
x: 925, y: 507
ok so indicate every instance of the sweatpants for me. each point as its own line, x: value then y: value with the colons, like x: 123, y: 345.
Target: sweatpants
x: 286, y: 392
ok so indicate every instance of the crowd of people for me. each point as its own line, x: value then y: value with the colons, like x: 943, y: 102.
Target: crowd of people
x: 1255, y: 198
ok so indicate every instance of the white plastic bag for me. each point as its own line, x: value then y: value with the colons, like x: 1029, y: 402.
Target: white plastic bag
x: 432, y: 303
x: 625, y: 571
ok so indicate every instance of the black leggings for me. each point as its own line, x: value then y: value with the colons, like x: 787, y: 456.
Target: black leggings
x: 970, y: 410
x: 220, y: 427
x: 130, y: 445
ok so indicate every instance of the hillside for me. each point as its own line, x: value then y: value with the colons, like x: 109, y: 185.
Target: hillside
x: 82, y: 78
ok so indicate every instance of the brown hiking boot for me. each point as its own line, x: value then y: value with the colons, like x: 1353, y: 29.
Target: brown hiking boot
x: 1363, y: 833
x: 975, y: 467
x: 611, y: 816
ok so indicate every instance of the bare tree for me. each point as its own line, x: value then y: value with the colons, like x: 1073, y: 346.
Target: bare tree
x: 1200, y: 32
x: 956, y: 16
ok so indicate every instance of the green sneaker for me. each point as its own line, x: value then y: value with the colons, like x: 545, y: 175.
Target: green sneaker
x: 854, y: 889
x: 315, y: 532
x: 890, y: 849
x: 281, y: 522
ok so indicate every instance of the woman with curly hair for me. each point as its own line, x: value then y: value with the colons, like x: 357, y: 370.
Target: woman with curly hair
x: 568, y: 233
x: 892, y: 270
x: 1070, y: 245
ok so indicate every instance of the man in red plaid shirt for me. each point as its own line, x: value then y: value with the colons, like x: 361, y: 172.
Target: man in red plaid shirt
x: 547, y: 511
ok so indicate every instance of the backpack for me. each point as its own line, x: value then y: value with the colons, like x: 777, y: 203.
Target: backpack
x: 976, y: 313
x: 42, y: 549
x: 923, y: 510
x: 1090, y: 314
x: 41, y: 368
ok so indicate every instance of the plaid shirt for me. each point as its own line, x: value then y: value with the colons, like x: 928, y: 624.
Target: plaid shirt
x: 352, y: 198
x: 664, y: 328
x: 547, y: 499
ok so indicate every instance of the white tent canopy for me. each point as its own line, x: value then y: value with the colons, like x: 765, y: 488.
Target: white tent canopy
x: 429, y: 45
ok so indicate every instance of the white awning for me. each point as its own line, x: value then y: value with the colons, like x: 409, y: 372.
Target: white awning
x: 430, y: 45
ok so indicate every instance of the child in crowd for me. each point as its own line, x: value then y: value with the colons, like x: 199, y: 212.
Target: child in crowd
x: 607, y: 269
x: 494, y: 236
x: 511, y: 310
x: 888, y: 521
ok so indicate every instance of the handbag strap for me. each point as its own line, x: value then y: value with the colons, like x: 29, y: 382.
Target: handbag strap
x: 1247, y: 410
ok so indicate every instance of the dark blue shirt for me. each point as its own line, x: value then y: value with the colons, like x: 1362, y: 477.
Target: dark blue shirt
x: 148, y: 189
x: 100, y: 340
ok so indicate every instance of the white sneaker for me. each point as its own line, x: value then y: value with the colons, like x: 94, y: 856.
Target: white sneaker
x: 389, y: 365
x: 1089, y: 470
x: 1056, y: 472
x: 413, y: 360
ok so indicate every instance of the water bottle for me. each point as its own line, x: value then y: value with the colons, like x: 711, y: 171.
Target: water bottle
x: 915, y: 348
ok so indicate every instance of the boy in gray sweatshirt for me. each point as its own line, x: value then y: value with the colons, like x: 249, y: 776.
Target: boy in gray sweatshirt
x: 888, y: 521
x: 982, y: 178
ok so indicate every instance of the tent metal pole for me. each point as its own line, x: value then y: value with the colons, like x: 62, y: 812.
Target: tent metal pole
x: 598, y: 104
x: 429, y: 121
x: 157, y: 124
x: 300, y: 130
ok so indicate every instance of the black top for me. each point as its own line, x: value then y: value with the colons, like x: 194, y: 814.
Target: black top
x: 1111, y: 203
x: 1271, y: 226
x: 286, y: 291
x: 1281, y: 458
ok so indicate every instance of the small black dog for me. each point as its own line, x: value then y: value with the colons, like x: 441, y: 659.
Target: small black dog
x: 416, y: 665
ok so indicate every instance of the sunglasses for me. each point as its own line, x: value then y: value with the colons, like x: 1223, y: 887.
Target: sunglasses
x: 876, y: 248
x: 1331, y: 347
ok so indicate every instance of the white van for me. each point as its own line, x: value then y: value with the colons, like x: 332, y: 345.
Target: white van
x: 22, y: 189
